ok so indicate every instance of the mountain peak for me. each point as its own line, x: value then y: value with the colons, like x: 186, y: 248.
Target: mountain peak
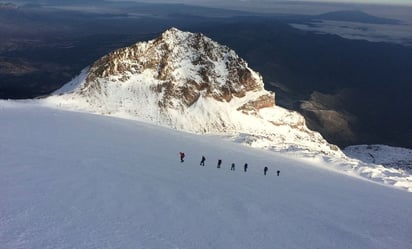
x: 189, y: 82
x: 186, y: 64
x: 175, y: 33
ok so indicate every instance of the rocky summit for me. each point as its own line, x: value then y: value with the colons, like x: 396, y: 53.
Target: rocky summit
x: 189, y: 82
x: 186, y: 66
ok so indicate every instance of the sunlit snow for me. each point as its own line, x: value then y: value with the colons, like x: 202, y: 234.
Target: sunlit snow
x: 78, y: 180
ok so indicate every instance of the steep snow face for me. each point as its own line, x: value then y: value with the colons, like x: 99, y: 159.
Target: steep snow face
x: 189, y: 82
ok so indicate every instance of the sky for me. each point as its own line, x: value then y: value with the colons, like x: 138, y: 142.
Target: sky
x: 233, y: 2
x: 408, y: 2
x: 246, y: 2
x: 363, y: 1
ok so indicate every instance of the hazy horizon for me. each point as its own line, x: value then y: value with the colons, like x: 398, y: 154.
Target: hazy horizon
x: 243, y: 2
x: 235, y: 3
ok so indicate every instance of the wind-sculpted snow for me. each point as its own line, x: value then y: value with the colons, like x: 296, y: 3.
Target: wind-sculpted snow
x: 77, y: 180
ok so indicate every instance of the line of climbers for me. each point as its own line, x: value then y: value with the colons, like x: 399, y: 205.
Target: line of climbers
x: 219, y: 164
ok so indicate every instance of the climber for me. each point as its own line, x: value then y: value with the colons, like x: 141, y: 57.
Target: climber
x: 182, y: 156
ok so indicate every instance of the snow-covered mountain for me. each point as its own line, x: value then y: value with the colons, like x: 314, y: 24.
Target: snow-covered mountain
x: 189, y: 82
x: 77, y: 180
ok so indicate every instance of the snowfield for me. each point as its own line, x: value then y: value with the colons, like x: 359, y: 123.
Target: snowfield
x: 78, y: 180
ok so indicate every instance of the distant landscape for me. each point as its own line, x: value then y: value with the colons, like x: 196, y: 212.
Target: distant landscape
x: 353, y: 91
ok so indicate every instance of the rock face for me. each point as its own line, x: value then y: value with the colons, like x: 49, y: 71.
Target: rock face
x: 325, y: 113
x: 189, y: 82
x: 185, y: 65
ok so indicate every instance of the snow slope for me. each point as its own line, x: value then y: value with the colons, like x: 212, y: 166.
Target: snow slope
x: 77, y: 180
